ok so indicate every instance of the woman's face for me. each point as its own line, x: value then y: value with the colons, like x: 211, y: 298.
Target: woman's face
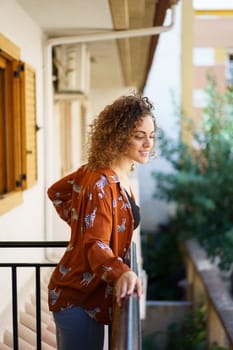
x: 141, y: 140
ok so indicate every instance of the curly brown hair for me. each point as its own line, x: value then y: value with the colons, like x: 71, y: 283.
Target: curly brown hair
x: 110, y: 131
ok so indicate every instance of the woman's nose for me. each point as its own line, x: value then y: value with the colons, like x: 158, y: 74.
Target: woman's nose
x: 147, y: 142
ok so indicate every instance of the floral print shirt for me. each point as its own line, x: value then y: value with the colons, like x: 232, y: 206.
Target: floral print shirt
x: 100, y: 216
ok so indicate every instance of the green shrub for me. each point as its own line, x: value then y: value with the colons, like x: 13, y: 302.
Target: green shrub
x: 149, y: 341
x: 201, y: 181
x: 188, y: 335
x: 163, y: 263
x: 191, y: 334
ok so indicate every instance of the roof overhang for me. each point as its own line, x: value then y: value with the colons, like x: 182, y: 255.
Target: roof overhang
x: 118, y: 60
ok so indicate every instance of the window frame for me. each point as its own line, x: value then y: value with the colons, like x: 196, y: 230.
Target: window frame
x: 15, y: 117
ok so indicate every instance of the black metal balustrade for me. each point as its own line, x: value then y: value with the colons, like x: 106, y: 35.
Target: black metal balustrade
x: 126, y: 329
x: 37, y: 266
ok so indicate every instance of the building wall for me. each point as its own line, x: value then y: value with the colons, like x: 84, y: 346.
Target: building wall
x: 200, y: 43
x: 212, y: 44
x: 163, y: 88
x: 25, y: 222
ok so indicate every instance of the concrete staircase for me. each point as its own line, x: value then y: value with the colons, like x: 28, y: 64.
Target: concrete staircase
x: 27, y: 325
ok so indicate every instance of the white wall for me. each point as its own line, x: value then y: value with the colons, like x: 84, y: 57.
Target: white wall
x: 102, y: 97
x: 164, y: 81
x: 25, y: 222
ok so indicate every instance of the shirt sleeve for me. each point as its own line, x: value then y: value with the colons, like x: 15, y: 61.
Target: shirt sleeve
x: 60, y: 193
x: 98, y: 233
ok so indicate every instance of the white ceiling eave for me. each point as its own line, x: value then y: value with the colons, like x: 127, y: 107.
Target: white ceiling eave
x: 125, y: 49
x: 118, y: 56
x: 111, y: 35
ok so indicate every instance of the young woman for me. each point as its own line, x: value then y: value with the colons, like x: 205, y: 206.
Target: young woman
x: 97, y: 202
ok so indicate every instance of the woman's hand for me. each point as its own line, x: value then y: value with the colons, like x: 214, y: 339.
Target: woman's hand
x: 126, y: 284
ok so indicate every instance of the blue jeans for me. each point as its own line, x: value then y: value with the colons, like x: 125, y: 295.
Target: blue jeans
x: 75, y: 330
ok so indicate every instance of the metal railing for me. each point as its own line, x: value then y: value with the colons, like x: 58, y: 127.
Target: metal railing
x: 14, y: 290
x: 126, y: 329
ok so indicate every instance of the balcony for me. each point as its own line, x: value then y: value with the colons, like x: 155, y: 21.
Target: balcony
x: 33, y: 327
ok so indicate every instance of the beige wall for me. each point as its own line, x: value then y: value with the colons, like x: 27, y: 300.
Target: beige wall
x: 213, y: 32
x: 200, y: 76
x: 207, y: 39
x: 186, y: 66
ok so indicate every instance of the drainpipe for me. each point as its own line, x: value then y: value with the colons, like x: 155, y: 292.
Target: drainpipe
x: 48, y: 94
x: 111, y: 35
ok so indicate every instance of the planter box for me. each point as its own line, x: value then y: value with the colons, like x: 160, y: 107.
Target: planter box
x: 161, y: 314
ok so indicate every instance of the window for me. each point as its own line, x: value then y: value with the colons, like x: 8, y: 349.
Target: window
x: 18, y: 168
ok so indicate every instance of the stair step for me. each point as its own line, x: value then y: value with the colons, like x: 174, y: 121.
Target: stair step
x: 4, y: 347
x: 51, y: 327
x: 27, y: 324
x: 27, y: 334
x: 27, y: 339
x: 44, y: 304
x: 23, y: 345
x: 45, y: 346
x: 49, y: 338
x: 45, y: 316
x: 28, y: 321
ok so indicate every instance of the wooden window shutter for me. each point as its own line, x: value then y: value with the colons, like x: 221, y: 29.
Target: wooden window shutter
x: 16, y: 141
x: 29, y: 127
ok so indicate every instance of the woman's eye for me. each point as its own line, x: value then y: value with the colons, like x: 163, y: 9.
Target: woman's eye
x: 137, y: 137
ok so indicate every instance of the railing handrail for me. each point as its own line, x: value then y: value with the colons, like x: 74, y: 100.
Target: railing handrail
x: 33, y: 244
x: 126, y: 328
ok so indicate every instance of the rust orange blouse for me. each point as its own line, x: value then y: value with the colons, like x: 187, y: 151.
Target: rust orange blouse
x: 101, y: 220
